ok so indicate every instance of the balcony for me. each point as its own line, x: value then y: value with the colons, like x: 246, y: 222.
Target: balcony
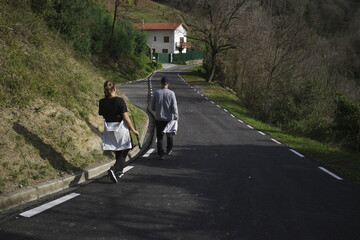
x: 183, y: 45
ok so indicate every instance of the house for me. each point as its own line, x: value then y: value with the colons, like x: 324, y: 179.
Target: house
x: 165, y: 37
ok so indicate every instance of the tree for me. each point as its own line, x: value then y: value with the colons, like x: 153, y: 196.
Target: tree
x: 212, y: 23
x: 117, y: 4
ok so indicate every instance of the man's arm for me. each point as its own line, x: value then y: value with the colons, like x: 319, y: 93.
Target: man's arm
x: 175, y: 108
x: 152, y: 104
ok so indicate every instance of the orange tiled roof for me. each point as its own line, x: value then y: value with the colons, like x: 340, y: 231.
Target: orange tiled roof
x: 159, y: 26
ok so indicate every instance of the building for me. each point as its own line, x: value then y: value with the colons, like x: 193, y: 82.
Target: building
x: 165, y: 37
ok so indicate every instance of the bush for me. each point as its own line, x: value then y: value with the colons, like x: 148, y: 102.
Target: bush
x: 88, y: 26
x: 347, y: 122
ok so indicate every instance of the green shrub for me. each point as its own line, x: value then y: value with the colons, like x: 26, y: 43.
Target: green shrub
x: 347, y: 122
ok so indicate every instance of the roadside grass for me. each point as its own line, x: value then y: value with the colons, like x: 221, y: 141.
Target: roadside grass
x: 345, y: 164
x: 49, y: 102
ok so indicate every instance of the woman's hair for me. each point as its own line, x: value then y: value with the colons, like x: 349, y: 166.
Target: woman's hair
x: 108, y: 88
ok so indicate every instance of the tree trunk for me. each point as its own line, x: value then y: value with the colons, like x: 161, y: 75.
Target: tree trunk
x: 212, y: 67
x: 115, y: 16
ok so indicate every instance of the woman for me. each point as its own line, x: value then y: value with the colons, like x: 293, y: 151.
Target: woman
x: 116, y: 135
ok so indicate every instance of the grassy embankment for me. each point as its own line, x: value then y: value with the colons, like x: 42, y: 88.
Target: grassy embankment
x: 48, y: 99
x: 345, y: 164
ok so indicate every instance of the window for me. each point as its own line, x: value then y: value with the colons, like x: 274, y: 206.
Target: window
x: 154, y: 38
x: 166, y: 39
x: 165, y: 51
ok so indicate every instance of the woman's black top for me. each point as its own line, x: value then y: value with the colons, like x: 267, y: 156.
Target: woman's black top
x: 112, y: 109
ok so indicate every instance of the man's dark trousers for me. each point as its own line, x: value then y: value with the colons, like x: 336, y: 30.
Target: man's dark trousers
x: 160, y: 126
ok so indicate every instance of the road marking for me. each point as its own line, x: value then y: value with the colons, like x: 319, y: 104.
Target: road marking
x: 226, y: 110
x: 274, y: 140
x: 240, y: 121
x: 330, y: 173
x: 147, y: 154
x: 206, y: 98
x: 218, y: 106
x: 48, y: 205
x: 232, y: 115
x: 261, y: 133
x: 212, y: 102
x: 127, y: 168
x: 300, y: 155
x: 250, y: 127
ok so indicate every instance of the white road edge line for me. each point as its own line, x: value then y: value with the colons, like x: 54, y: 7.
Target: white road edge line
x: 330, y: 173
x: 241, y: 121
x: 232, y: 115
x: 300, y: 155
x: 147, y: 154
x: 226, y: 110
x: 48, y: 205
x: 261, y: 133
x: 274, y: 140
x: 127, y: 168
x: 250, y: 127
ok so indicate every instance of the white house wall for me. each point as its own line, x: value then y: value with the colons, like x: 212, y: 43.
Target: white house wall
x: 180, y: 32
x: 159, y: 44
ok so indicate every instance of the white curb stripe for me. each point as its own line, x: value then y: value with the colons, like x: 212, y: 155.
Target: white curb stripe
x: 127, y: 168
x: 48, y: 205
x: 262, y: 133
x: 276, y: 141
x: 240, y: 121
x: 300, y: 155
x: 250, y: 127
x: 330, y: 173
x: 147, y: 154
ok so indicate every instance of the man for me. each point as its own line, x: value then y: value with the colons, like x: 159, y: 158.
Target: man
x: 165, y: 106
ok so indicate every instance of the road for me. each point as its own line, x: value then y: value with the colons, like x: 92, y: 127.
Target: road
x: 225, y: 180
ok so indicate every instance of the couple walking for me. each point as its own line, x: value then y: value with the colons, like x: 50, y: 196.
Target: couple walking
x: 117, y: 124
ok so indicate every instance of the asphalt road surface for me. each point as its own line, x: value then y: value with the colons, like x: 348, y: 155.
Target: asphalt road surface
x: 224, y: 180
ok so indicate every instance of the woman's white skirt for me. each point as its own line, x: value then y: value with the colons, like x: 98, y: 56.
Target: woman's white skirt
x: 116, y: 136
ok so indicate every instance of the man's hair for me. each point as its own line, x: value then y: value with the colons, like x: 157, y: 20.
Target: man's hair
x: 165, y: 80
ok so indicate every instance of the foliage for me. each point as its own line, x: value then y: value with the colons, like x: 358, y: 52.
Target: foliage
x: 288, y: 61
x: 347, y: 122
x: 88, y: 26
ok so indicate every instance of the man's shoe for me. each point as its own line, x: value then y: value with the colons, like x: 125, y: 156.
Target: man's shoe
x: 112, y: 176
x: 119, y: 175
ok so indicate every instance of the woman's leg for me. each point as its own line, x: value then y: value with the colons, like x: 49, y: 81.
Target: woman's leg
x: 120, y: 161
